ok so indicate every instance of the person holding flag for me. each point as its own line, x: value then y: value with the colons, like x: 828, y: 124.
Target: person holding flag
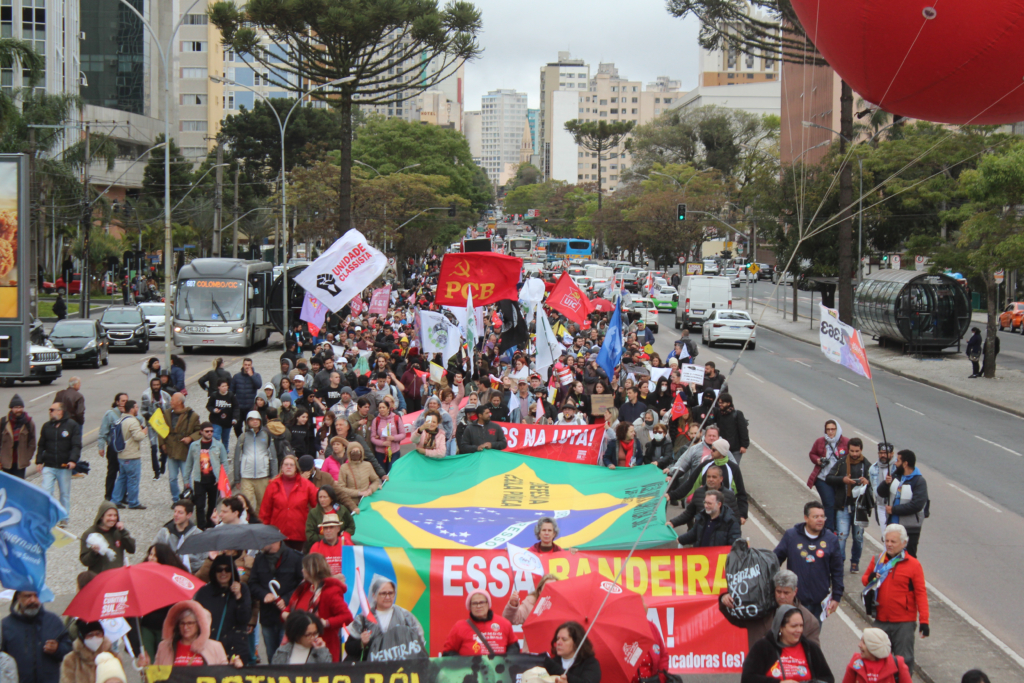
x: 383, y: 631
x: 205, y: 461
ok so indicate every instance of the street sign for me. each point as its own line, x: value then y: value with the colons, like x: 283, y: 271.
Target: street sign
x: 999, y: 277
x: 682, y: 259
x: 754, y: 268
x: 895, y: 261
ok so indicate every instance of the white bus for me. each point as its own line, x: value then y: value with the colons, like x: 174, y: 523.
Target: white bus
x: 523, y: 247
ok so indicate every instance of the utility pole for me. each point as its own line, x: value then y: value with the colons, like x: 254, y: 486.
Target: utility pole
x: 218, y: 202
x: 234, y: 228
x: 87, y: 224
x: 35, y: 284
x: 845, y: 236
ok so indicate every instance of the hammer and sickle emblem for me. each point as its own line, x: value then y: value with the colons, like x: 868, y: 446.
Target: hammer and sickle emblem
x: 461, y: 269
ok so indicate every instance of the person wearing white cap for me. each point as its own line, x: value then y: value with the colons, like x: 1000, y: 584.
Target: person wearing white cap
x: 255, y: 459
x: 109, y: 669
x: 875, y: 661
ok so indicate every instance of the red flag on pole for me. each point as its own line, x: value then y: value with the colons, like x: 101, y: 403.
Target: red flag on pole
x: 569, y: 299
x: 679, y: 408
x: 492, y: 277
x: 222, y: 483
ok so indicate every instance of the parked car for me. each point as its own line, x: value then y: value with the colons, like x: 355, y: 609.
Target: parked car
x: 81, y: 342
x: 126, y: 327
x: 44, y: 360
x: 1013, y: 317
x: 785, y: 277
x: 154, y: 314
x: 666, y: 298
x: 734, y: 276
x: 765, y: 271
x: 643, y: 309
x: 74, y: 287
x: 727, y: 325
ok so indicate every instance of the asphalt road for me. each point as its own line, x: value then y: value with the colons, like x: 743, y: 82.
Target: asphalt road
x: 969, y: 454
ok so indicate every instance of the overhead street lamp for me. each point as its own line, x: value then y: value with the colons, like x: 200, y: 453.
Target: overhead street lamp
x: 282, y: 125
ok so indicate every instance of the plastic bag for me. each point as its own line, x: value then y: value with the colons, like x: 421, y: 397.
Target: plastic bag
x: 750, y: 579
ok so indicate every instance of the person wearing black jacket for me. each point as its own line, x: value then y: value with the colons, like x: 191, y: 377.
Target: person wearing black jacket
x: 229, y: 603
x: 584, y: 667
x: 713, y: 379
x: 659, y: 448
x: 715, y: 525
x: 209, y: 381
x: 278, y: 563
x: 482, y: 434
x: 223, y: 409
x: 245, y: 385
x: 713, y: 483
x: 783, y: 651
x: 732, y: 425
x: 303, y: 432
x: 57, y: 453
x: 850, y: 470
x: 499, y: 406
x: 975, y: 352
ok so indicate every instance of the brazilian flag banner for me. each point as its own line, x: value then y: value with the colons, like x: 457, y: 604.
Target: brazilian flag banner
x: 490, y: 498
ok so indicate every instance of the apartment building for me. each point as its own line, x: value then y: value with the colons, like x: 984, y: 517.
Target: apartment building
x: 503, y: 119
x: 560, y: 82
x: 453, y: 87
x: 472, y: 128
x: 728, y: 66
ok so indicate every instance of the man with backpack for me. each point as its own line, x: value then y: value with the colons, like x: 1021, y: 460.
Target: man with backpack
x: 126, y: 438
x: 110, y: 418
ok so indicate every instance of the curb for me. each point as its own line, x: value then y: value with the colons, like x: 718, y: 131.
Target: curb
x: 906, y: 375
x: 92, y: 309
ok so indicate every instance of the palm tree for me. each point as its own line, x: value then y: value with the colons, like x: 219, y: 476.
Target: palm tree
x: 14, y: 52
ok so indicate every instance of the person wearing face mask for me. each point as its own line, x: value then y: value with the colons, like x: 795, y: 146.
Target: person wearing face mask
x: 35, y: 638
x: 467, y: 416
x: 659, y: 449
x: 645, y: 428
x: 79, y: 666
x: 662, y: 398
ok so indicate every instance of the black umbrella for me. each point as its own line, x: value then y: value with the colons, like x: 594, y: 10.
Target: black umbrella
x: 232, y: 537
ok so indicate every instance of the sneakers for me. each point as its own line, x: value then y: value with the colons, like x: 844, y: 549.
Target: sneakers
x: 137, y: 507
x: 854, y: 569
x: 120, y: 506
x: 156, y: 476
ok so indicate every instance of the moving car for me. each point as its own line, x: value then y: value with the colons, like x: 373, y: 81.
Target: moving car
x: 44, y: 360
x: 765, y: 271
x: 126, y: 327
x: 1013, y: 317
x: 154, y: 314
x: 643, y: 309
x: 666, y: 298
x: 734, y: 276
x: 703, y: 294
x: 710, y: 267
x: 81, y: 342
x: 727, y: 325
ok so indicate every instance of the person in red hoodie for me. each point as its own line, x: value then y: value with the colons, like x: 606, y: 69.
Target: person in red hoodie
x: 896, y: 581
x: 322, y: 595
x: 287, y: 501
x: 484, y: 633
x: 875, y: 662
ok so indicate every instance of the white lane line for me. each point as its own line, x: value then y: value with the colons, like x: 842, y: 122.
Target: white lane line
x: 767, y: 349
x: 755, y: 377
x: 974, y: 497
x: 849, y: 622
x: 802, y: 363
x: 107, y: 370
x: 802, y: 403
x: 848, y: 382
x: 866, y: 436
x: 1008, y: 450
x: 910, y: 409
x: 803, y: 481
x: 40, y: 398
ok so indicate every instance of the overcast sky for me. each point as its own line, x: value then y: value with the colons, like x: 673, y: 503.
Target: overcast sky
x: 520, y: 36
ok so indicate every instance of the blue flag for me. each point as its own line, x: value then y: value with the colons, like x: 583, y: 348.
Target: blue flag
x: 27, y: 513
x: 611, y: 349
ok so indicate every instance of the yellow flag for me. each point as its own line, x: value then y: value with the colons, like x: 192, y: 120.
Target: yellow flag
x: 158, y: 423
x: 62, y: 538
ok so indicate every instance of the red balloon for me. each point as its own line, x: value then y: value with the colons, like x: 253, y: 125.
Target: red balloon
x: 958, y: 61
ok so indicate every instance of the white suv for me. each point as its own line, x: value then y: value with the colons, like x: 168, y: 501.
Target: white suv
x: 643, y: 309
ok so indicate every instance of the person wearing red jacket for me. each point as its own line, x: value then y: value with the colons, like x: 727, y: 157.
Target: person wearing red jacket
x: 875, y: 662
x: 655, y: 660
x: 896, y: 579
x: 287, y: 501
x: 323, y: 596
x: 484, y: 633
x: 826, y: 452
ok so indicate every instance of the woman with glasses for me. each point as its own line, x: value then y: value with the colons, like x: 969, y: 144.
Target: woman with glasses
x: 388, y: 629
x: 305, y: 642
x: 227, y: 599
x: 187, y: 639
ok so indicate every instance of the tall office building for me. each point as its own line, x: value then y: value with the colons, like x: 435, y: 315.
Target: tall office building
x: 533, y: 117
x: 51, y: 27
x: 728, y: 66
x: 560, y: 81
x: 503, y: 120
x: 472, y: 128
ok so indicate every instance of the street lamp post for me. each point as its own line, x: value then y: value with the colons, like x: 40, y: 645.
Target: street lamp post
x: 282, y: 126
x: 381, y: 175
x: 168, y: 243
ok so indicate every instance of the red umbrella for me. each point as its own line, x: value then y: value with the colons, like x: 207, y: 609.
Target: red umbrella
x: 601, y: 305
x: 132, y: 591
x: 621, y: 634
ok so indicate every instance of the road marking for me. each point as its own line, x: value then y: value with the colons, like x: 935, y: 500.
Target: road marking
x: 107, y: 370
x: 849, y: 622
x: 1008, y: 450
x: 802, y: 403
x: 869, y: 438
x: 971, y: 495
x: 912, y: 410
x: 754, y: 377
x: 801, y: 363
x: 40, y: 398
x: 848, y: 382
x: 767, y: 349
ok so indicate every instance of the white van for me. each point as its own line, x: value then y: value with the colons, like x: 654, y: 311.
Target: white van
x: 600, y: 272
x: 703, y: 294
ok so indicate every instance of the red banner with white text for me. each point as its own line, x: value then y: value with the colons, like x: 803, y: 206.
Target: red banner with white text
x: 566, y: 443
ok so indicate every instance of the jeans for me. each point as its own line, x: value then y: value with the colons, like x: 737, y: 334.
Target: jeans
x: 128, y: 474
x: 828, y: 500
x: 452, y: 446
x: 223, y: 435
x: 844, y: 522
x: 254, y: 643
x: 272, y: 636
x: 174, y: 468
x: 62, y: 478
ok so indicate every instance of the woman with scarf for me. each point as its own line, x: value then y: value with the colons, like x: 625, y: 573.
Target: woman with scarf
x: 386, y: 433
x: 227, y: 600
x: 429, y: 437
x: 390, y: 633
x: 625, y: 450
x: 287, y: 501
x: 323, y: 596
x: 17, y: 438
x: 483, y: 633
x: 850, y: 473
x: 825, y: 453
x: 784, y: 654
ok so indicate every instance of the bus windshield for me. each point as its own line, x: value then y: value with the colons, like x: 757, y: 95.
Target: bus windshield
x: 210, y: 299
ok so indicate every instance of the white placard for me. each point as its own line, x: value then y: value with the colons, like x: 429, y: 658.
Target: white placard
x: 694, y: 374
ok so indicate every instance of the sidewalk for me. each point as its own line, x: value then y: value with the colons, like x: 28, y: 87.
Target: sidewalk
x: 947, y: 371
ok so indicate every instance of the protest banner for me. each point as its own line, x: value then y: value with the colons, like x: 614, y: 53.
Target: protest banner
x: 579, y: 444
x: 380, y: 300
x: 693, y: 374
x: 680, y: 587
x: 491, y: 276
x: 487, y: 498
x: 345, y: 269
x: 600, y: 403
x: 422, y: 670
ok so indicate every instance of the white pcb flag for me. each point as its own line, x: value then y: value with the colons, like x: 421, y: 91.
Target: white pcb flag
x: 348, y: 267
x: 522, y: 560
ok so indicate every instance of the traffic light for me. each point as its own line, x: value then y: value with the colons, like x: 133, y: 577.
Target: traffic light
x: 681, y: 211
x: 452, y: 209
x: 885, y: 258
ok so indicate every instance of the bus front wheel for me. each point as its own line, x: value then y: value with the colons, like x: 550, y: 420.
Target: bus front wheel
x: 186, y: 349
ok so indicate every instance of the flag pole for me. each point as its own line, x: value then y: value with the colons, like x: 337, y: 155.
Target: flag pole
x: 871, y: 378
